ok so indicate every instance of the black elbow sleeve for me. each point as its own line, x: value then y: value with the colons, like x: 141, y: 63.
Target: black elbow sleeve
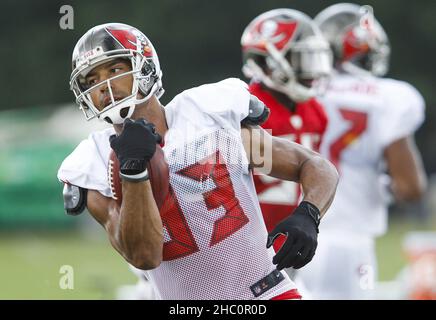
x: 258, y: 112
x: 74, y: 199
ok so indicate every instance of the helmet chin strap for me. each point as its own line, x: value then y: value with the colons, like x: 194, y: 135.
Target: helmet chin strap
x: 114, y: 113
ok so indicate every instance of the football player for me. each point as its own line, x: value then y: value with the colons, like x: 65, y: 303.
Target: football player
x: 371, y: 128
x: 208, y: 240
x: 287, y: 60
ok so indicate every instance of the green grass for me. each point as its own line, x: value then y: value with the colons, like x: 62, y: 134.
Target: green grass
x: 390, y: 255
x: 30, y: 263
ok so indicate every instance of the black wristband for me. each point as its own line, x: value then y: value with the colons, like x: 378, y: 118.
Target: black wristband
x: 313, y: 211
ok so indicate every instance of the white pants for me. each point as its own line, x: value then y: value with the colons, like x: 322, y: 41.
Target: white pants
x: 142, y: 290
x: 344, y: 267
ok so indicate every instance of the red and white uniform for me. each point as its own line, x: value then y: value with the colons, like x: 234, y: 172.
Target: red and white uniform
x: 213, y: 228
x: 306, y: 126
x: 366, y: 114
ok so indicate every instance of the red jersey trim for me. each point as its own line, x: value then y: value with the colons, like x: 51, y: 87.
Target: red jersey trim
x: 288, y: 295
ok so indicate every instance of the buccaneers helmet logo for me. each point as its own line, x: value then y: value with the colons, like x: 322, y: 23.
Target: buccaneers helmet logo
x: 130, y: 41
x: 279, y: 33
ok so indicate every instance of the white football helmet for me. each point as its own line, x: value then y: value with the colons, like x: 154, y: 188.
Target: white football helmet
x: 359, y: 43
x: 115, y: 41
x: 286, y: 51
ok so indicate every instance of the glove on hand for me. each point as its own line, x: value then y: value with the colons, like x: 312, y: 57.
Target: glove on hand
x: 301, y: 229
x: 134, y: 147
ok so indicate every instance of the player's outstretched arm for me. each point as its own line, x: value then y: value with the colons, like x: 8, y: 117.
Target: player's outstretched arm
x: 406, y: 169
x: 286, y: 160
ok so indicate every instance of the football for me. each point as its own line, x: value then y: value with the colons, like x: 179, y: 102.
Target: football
x: 158, y: 173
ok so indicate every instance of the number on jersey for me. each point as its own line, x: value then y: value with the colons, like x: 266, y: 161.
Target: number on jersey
x: 182, y: 241
x: 359, y: 122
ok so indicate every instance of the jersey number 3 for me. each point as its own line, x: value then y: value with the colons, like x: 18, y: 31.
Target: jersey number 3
x: 182, y: 241
x: 358, y: 121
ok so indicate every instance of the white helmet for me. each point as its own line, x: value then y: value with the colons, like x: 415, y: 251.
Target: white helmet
x: 359, y: 43
x: 115, y: 41
x: 286, y: 51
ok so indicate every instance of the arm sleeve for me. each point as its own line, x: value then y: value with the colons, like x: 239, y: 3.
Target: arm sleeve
x: 258, y: 112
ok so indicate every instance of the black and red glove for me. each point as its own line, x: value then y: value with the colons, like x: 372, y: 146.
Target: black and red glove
x: 301, y: 230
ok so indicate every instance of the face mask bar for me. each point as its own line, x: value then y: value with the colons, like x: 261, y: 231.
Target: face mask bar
x: 380, y: 60
x: 284, y: 77
x: 312, y: 64
x: 85, y: 101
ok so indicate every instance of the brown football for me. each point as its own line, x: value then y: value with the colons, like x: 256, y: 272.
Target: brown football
x: 158, y: 173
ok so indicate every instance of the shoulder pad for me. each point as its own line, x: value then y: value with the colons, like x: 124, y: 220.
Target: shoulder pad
x: 258, y: 112
x: 74, y: 199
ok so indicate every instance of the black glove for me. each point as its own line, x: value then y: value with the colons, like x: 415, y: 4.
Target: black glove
x: 134, y: 147
x: 301, y: 229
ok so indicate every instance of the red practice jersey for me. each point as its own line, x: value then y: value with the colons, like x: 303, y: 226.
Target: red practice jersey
x: 306, y: 126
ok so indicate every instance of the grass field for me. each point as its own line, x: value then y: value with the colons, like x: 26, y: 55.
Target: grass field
x: 30, y: 263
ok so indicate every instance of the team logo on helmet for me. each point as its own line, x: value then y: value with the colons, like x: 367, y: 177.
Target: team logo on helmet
x: 359, y: 42
x: 354, y: 44
x: 279, y: 33
x: 283, y: 49
x: 130, y: 39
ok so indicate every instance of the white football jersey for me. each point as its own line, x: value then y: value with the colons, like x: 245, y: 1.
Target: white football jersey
x: 87, y: 165
x: 214, y: 234
x: 365, y: 116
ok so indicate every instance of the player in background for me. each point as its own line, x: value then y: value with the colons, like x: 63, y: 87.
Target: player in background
x: 287, y: 60
x: 372, y: 121
x: 208, y: 239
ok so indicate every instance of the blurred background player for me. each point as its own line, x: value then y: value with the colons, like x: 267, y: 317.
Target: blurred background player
x: 287, y: 60
x: 371, y: 131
